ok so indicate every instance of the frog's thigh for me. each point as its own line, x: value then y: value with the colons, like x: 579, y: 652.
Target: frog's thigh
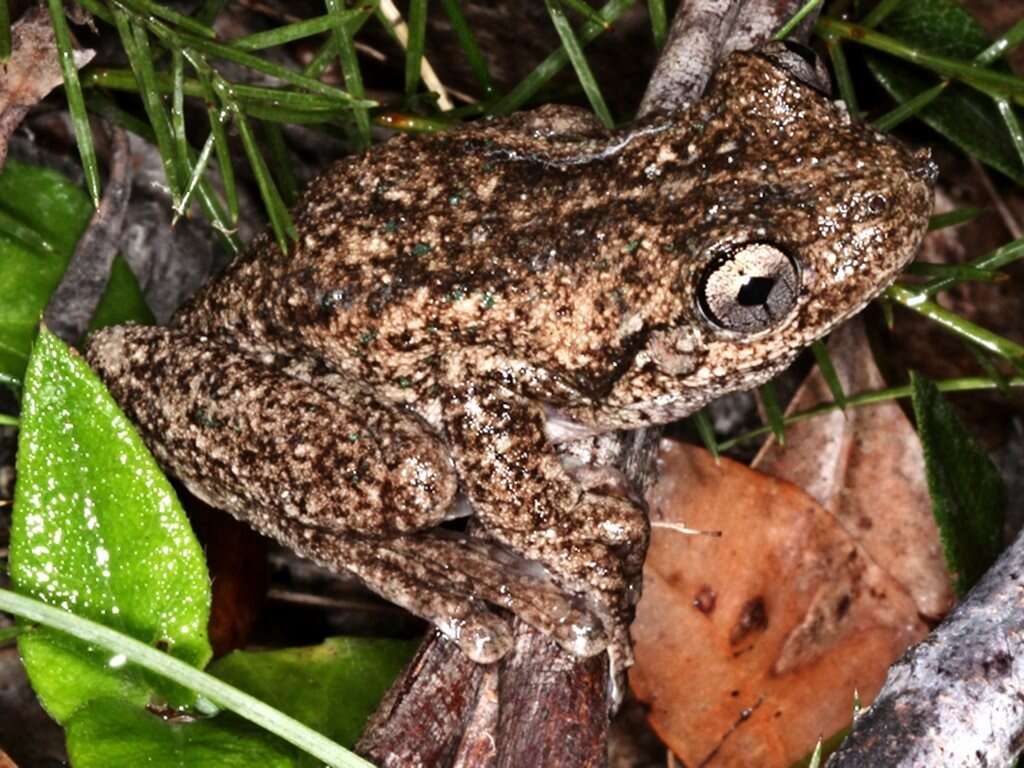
x: 257, y: 443
x: 525, y: 497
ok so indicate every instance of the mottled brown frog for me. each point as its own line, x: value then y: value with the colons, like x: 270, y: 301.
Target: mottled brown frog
x: 457, y: 305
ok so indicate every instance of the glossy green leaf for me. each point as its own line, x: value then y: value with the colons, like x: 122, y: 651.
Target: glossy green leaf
x: 110, y: 732
x: 332, y: 687
x: 942, y: 27
x: 42, y: 215
x: 97, y: 530
x: 214, y: 692
x: 967, y: 118
x: 968, y: 497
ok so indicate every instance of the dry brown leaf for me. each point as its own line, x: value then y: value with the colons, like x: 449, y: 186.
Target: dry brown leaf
x: 866, y: 467
x: 31, y: 72
x: 750, y: 646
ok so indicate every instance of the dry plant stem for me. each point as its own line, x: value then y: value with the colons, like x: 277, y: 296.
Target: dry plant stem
x: 696, y: 39
x: 31, y: 71
x: 427, y: 72
x: 72, y: 305
x: 955, y: 699
x: 421, y: 719
x: 702, y: 33
x: 1009, y: 220
x: 552, y: 709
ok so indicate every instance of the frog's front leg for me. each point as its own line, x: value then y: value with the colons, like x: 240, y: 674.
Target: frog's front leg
x: 520, y: 490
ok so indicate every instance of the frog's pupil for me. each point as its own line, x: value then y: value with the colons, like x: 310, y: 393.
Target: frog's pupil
x: 755, y: 292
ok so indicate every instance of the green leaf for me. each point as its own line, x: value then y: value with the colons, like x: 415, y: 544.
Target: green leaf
x: 942, y: 27
x: 968, y: 497
x: 43, y: 206
x: 109, y: 732
x: 332, y: 687
x: 966, y: 117
x: 213, y: 691
x: 98, y: 530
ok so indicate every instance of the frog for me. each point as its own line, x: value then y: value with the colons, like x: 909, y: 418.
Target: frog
x: 458, y: 308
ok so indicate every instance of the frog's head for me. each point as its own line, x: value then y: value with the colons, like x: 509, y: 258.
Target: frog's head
x: 800, y: 216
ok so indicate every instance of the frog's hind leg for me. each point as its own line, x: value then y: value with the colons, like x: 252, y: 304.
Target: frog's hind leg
x: 259, y: 443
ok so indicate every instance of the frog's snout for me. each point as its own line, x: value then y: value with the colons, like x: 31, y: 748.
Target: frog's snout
x: 923, y: 167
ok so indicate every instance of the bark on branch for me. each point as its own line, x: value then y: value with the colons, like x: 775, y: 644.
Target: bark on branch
x: 957, y: 698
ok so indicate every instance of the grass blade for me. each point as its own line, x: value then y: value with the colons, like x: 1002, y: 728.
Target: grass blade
x: 787, y: 29
x: 910, y: 107
x: 281, y: 164
x: 197, y: 174
x: 828, y: 373
x: 1012, y: 126
x: 224, y: 164
x: 773, y: 411
x: 76, y: 101
x: 136, y: 46
x: 288, y: 33
x: 414, y: 50
x: 1005, y: 43
x: 178, y: 117
x: 206, y: 47
x: 960, y: 272
x: 184, y: 674
x: 349, y: 64
x: 880, y: 11
x: 965, y: 329
x: 953, y: 218
x: 997, y: 259
x: 5, y: 31
x: 706, y: 431
x: 143, y: 9
x: 554, y: 63
x: 469, y: 46
x: 574, y: 51
x: 659, y: 21
x: 280, y: 219
x: 842, y: 73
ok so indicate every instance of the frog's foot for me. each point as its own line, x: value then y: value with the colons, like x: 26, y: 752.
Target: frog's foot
x: 591, y: 541
x: 449, y: 579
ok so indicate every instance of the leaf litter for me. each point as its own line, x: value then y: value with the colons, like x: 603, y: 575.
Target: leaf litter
x: 752, y: 646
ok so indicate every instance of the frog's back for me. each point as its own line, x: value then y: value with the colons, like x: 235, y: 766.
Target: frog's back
x: 543, y: 243
x: 494, y: 236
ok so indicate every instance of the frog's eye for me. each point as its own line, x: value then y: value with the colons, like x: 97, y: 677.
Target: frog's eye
x: 750, y: 289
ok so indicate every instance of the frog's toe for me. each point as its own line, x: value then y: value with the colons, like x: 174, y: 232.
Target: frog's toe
x: 482, y: 635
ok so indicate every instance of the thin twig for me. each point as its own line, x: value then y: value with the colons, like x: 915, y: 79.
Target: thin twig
x: 72, y: 305
x: 1009, y: 220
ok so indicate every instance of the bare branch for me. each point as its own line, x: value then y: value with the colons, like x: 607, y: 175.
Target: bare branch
x: 957, y: 698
